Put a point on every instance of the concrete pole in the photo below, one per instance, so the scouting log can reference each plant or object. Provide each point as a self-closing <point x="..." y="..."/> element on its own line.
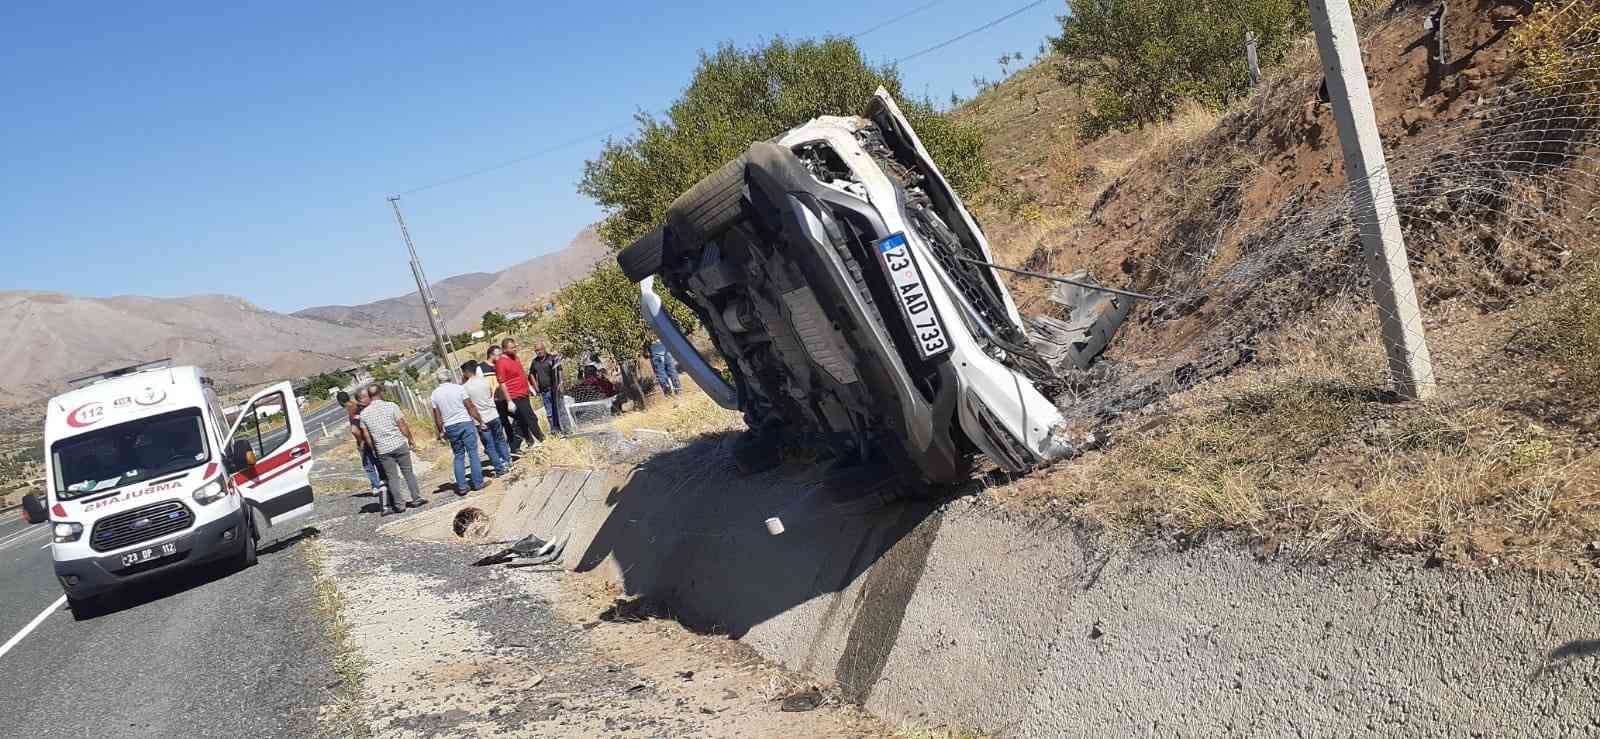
<point x="1410" y="366"/>
<point x="1251" y="58"/>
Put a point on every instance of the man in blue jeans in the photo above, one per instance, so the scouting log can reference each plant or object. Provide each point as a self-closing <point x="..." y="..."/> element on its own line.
<point x="665" y="368"/>
<point x="494" y="432"/>
<point x="456" y="417"/>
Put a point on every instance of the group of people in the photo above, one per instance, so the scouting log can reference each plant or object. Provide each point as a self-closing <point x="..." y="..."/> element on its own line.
<point x="384" y="440"/>
<point x="485" y="406"/>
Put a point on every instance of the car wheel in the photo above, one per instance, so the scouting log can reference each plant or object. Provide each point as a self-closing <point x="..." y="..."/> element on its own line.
<point x="710" y="207"/>
<point x="247" y="556"/>
<point x="755" y="452"/>
<point x="84" y="609"/>
<point x="642" y="258"/>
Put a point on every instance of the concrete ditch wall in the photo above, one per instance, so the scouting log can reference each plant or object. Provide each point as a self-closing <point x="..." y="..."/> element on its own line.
<point x="969" y="616"/>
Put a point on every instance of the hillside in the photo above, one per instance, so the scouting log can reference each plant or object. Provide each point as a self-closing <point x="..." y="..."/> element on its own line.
<point x="1252" y="396"/>
<point x="51" y="337"/>
<point x="464" y="299"/>
<point x="520" y="284"/>
<point x="401" y="316"/>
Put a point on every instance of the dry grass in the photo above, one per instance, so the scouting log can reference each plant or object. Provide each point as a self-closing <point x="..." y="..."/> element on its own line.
<point x="562" y="451"/>
<point x="687" y="416"/>
<point x="1564" y="330"/>
<point x="345" y="716"/>
<point x="1310" y="452"/>
<point x="939" y="732"/>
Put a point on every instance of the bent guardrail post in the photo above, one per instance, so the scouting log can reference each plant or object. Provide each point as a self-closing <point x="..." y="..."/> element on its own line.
<point x="704" y="375"/>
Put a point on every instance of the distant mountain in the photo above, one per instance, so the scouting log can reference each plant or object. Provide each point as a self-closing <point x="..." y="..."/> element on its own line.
<point x="521" y="284"/>
<point x="48" y="338"/>
<point x="402" y="316"/>
<point x="464" y="299"/>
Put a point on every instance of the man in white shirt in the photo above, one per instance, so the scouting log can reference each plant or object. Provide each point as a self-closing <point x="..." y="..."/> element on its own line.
<point x="493" y="432"/>
<point x="456" y="417"/>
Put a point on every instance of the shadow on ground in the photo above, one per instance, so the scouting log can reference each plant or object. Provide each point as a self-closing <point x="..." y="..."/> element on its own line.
<point x="687" y="535"/>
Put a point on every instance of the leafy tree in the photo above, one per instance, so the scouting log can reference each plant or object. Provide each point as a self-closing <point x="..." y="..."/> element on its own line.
<point x="1136" y="62"/>
<point x="413" y="373"/>
<point x="493" y="322"/>
<point x="601" y="312"/>
<point x="320" y="384"/>
<point x="738" y="96"/>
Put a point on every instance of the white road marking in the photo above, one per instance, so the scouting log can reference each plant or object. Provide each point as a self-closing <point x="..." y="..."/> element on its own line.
<point x="34" y="624"/>
<point x="19" y="536"/>
<point x="48" y="543"/>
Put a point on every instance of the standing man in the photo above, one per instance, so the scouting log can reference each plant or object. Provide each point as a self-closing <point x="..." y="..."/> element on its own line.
<point x="456" y="417"/>
<point x="502" y="404"/>
<point x="665" y="368"/>
<point x="494" y="433"/>
<point x="547" y="376"/>
<point x="369" y="460"/>
<point x="514" y="380"/>
<point x="391" y="438"/>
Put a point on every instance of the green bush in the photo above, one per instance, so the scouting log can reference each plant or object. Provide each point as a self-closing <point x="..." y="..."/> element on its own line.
<point x="739" y="96"/>
<point x="601" y="312"/>
<point x="1137" y="62"/>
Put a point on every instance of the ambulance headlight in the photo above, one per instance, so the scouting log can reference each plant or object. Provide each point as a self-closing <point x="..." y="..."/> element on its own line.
<point x="210" y="492"/>
<point x="67" y="532"/>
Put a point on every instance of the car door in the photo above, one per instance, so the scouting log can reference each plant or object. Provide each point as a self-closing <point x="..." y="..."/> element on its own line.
<point x="277" y="483"/>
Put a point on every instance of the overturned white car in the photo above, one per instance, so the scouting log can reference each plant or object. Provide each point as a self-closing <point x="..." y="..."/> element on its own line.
<point x="848" y="289"/>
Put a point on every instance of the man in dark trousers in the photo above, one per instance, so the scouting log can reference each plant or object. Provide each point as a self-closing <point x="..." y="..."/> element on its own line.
<point x="546" y="368"/>
<point x="514" y="379"/>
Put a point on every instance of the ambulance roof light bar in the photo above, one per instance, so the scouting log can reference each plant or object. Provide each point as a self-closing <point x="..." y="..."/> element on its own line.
<point x="87" y="380"/>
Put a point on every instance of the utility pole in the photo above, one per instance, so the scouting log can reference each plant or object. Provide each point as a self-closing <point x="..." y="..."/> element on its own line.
<point x="422" y="285"/>
<point x="1251" y="59"/>
<point x="1405" y="342"/>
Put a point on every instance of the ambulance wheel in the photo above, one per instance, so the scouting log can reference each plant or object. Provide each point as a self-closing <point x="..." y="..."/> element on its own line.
<point x="247" y="553"/>
<point x="84" y="609"/>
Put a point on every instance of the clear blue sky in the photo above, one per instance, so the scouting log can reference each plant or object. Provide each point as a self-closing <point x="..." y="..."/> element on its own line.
<point x="171" y="148"/>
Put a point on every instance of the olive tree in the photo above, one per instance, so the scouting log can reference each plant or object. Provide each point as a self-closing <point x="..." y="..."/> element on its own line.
<point x="1137" y="62"/>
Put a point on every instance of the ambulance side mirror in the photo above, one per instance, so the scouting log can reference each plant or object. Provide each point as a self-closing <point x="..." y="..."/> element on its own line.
<point x="239" y="457"/>
<point x="33" y="509"/>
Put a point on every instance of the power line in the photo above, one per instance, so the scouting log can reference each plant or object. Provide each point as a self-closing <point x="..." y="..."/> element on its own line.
<point x="973" y="32"/>
<point x="896" y="19"/>
<point x="597" y="134"/>
<point x="512" y="162"/>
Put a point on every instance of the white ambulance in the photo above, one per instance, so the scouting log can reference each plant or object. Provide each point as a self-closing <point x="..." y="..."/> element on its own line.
<point x="145" y="475"/>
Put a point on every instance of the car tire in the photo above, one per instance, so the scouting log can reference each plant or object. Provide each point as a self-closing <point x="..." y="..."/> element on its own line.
<point x="642" y="258"/>
<point x="84" y="609"/>
<point x="756" y="452"/>
<point x="248" y="554"/>
<point x="712" y="206"/>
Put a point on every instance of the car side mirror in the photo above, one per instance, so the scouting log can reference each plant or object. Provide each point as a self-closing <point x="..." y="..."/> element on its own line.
<point x="33" y="509"/>
<point x="239" y="457"/>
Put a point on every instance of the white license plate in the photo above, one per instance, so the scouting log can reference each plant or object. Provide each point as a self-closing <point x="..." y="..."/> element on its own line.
<point x="912" y="294"/>
<point x="148" y="553"/>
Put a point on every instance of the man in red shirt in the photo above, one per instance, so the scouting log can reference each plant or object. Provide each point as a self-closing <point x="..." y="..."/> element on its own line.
<point x="519" y="390"/>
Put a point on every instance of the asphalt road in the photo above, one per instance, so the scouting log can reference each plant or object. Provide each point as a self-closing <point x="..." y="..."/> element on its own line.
<point x="218" y="653"/>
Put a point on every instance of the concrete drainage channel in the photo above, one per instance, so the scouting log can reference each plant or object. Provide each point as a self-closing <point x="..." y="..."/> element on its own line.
<point x="964" y="615"/>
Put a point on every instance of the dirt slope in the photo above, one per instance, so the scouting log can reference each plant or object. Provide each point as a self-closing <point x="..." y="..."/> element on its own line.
<point x="1253" y="395"/>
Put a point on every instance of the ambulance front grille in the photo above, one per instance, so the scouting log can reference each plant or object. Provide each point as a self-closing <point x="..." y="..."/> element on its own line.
<point x="139" y="525"/>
